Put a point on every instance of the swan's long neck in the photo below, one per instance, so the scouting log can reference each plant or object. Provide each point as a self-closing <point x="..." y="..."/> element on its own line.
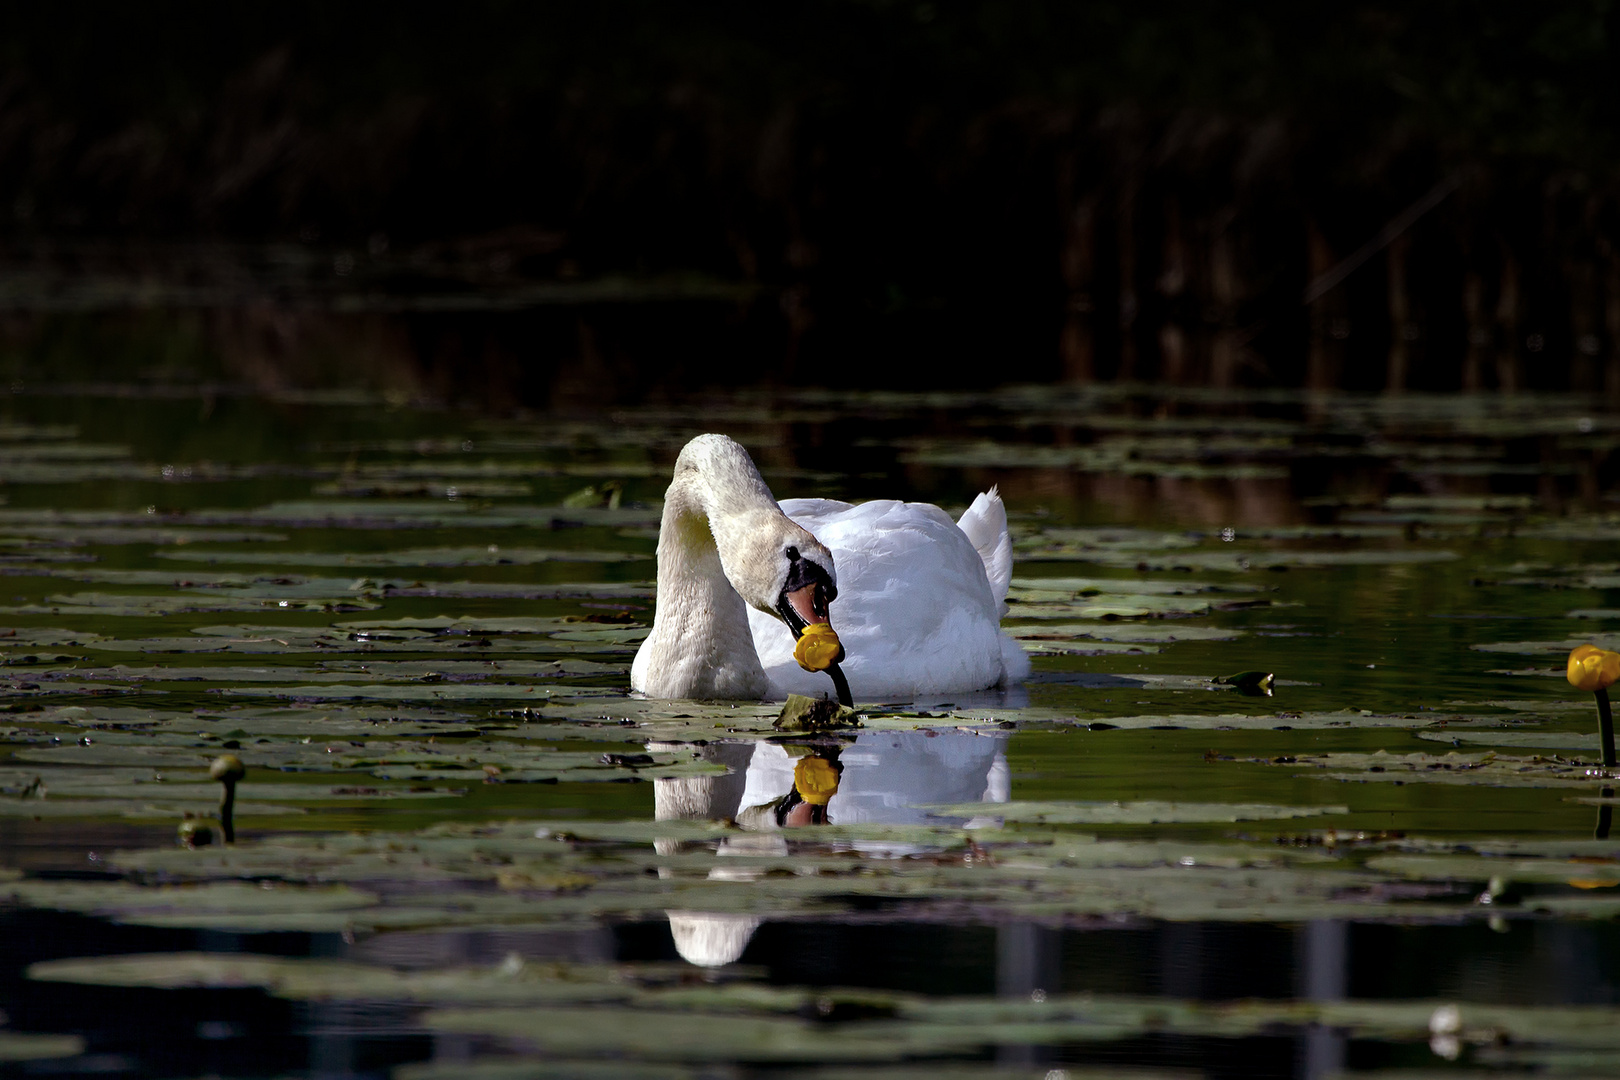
<point x="700" y="645"/>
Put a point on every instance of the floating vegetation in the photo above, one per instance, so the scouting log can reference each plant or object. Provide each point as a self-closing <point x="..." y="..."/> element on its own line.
<point x="1140" y="813"/>
<point x="562" y="875"/>
<point x="418" y="654"/>
<point x="489" y="555"/>
<point x="1489" y="769"/>
<point x="26" y="1046"/>
<point x="605" y="1012"/>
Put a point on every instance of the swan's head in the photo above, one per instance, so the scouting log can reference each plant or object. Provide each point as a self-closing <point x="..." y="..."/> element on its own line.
<point x="784" y="571"/>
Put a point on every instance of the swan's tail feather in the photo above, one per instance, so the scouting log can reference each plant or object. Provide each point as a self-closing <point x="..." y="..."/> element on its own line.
<point x="985" y="523"/>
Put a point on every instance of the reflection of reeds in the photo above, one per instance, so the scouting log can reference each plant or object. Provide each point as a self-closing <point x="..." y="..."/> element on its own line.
<point x="1084" y="190"/>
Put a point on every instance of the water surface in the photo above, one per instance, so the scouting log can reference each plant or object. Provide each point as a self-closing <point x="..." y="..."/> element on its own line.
<point x="465" y="848"/>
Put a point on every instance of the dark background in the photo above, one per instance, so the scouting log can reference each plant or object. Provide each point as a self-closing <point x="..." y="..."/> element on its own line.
<point x="543" y="203"/>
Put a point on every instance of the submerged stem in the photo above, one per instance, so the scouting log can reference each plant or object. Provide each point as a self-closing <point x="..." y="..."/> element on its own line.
<point x="841" y="684"/>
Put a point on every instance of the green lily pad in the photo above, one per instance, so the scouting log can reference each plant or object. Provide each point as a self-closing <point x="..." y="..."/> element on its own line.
<point x="604" y="1012"/>
<point x="428" y="487"/>
<point x="1242" y="561"/>
<point x="460" y="761"/>
<point x="237" y="723"/>
<point x="302" y="979"/>
<point x="1119" y="606"/>
<point x="1590" y="873"/>
<point x="422" y="692"/>
<point x="407" y="635"/>
<point x="125" y="902"/>
<point x="59" y="450"/>
<point x="135" y="533"/>
<point x="14" y="431"/>
<point x="1597" y="528"/>
<point x="1460" y="502"/>
<point x="1129" y="813"/>
<point x="347" y="671"/>
<point x="467" y="624"/>
<point x="489" y="555"/>
<point x="102" y="605"/>
<point x="1122" y="633"/>
<point x="1489" y="769"/>
<point x="1542" y="740"/>
<point x="12" y="637"/>
<point x="1030" y="873"/>
<point x="1047" y="539"/>
<point x="32" y="1046"/>
<point x="1085" y="648"/>
<point x="1080" y="587"/>
<point x="406" y="513"/>
<point x="1602" y="641"/>
<point x="1087" y="598"/>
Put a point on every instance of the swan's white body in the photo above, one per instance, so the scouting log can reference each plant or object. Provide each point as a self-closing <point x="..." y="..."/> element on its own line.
<point x="919" y="602"/>
<point x="918" y="609"/>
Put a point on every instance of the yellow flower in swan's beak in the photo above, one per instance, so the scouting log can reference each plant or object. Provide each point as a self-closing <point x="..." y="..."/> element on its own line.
<point x="1592" y="668"/>
<point x="818" y="648"/>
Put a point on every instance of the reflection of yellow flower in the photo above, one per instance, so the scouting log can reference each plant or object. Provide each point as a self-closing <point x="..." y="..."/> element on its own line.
<point x="818" y="648"/>
<point x="816" y="780"/>
<point x="1592" y="668"/>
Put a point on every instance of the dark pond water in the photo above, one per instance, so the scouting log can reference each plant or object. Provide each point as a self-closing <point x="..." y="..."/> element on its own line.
<point x="465" y="849"/>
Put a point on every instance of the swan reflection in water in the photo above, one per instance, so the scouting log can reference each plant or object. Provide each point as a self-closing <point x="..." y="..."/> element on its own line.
<point x="878" y="778"/>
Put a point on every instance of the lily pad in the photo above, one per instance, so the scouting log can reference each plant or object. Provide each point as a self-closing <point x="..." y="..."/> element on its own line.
<point x="1122" y="633"/>
<point x="1130" y="813"/>
<point x="102" y="605"/>
<point x="13" y="636"/>
<point x="38" y="1046"/>
<point x="1243" y="561"/>
<point x="461" y="761"/>
<point x="422" y="692"/>
<point x="428" y="487"/>
<point x="1541" y="740"/>
<point x="1489" y="769"/>
<point x="564" y="1008"/>
<point x="155" y="905"/>
<point x="489" y="555"/>
<point x="1561" y="647"/>
<point x="1033" y="874"/>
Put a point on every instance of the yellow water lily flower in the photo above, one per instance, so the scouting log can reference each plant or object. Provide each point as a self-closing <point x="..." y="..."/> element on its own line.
<point x="816" y="780"/>
<point x="818" y="648"/>
<point x="1592" y="668"/>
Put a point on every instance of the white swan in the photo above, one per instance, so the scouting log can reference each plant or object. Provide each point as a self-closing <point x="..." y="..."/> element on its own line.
<point x="916" y="598"/>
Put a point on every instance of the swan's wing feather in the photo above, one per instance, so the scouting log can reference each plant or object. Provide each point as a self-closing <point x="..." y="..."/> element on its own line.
<point x="985" y="523"/>
<point x="812" y="512"/>
<point x="914" y="607"/>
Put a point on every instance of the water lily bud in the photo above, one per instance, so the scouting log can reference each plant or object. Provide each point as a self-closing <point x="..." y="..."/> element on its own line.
<point x="1592" y="668"/>
<point x="227" y="768"/>
<point x="818" y="648"/>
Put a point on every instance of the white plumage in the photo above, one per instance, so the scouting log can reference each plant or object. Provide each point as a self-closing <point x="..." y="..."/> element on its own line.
<point x="919" y="603"/>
